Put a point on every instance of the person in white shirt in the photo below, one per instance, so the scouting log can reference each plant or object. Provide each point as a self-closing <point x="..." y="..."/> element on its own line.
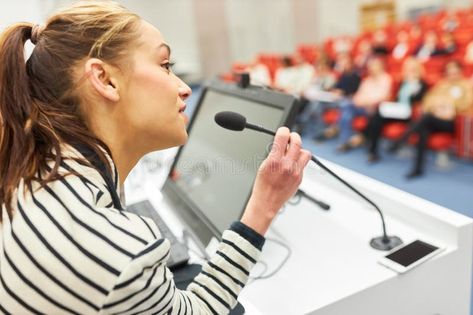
<point x="428" y="48"/>
<point x="96" y="94"/>
<point x="401" y="49"/>
<point x="294" y="76"/>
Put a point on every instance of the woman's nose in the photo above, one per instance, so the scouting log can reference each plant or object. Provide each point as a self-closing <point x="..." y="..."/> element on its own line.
<point x="184" y="90"/>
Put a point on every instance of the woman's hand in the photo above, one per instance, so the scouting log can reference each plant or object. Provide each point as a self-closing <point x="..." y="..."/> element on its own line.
<point x="277" y="180"/>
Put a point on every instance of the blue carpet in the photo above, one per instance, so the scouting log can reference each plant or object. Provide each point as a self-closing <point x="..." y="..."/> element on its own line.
<point x="450" y="187"/>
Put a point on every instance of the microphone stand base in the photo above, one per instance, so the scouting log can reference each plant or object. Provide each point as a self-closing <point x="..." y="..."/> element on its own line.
<point x="385" y="243"/>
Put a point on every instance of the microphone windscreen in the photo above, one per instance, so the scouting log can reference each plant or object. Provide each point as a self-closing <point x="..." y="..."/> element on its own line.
<point x="230" y="120"/>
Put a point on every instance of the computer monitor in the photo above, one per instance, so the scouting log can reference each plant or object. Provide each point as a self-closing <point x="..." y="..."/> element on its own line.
<point x="212" y="176"/>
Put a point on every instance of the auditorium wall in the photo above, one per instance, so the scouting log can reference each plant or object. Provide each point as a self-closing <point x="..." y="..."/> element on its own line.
<point x="208" y="35"/>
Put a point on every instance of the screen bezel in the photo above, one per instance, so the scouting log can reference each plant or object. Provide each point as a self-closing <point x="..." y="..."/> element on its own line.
<point x="287" y="103"/>
<point x="396" y="266"/>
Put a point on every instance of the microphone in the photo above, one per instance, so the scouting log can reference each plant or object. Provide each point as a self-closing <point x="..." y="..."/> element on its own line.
<point x="237" y="122"/>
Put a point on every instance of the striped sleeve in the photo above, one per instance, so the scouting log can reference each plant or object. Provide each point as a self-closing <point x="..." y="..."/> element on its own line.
<point x="146" y="285"/>
<point x="61" y="254"/>
<point x="66" y="250"/>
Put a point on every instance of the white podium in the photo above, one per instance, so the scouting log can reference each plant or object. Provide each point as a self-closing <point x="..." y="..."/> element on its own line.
<point x="334" y="271"/>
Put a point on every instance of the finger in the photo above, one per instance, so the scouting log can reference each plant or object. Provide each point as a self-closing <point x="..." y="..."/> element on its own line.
<point x="304" y="158"/>
<point x="280" y="142"/>
<point x="295" y="146"/>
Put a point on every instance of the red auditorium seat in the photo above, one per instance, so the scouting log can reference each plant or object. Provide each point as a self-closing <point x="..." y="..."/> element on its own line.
<point x="394" y="130"/>
<point x="438" y="141"/>
<point x="308" y="52"/>
<point x="434" y="69"/>
<point x="331" y="116"/>
<point x="239" y="67"/>
<point x="359" y="123"/>
<point x="468" y="70"/>
<point x="463" y="35"/>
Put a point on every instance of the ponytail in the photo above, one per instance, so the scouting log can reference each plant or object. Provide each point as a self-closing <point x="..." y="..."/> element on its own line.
<point x="16" y="113"/>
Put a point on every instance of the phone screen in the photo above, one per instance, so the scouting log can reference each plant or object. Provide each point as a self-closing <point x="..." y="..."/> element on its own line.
<point x="411" y="253"/>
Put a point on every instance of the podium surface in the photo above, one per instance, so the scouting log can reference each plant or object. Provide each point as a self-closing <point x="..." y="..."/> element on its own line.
<point x="334" y="270"/>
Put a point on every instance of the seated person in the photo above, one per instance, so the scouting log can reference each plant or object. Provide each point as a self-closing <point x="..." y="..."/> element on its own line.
<point x="450" y="22"/>
<point x="348" y="80"/>
<point x="401" y="48"/>
<point x="468" y="57"/>
<point x="411" y="90"/>
<point x="342" y="44"/>
<point x="373" y="90"/>
<point x="415" y="35"/>
<point x="293" y="77"/>
<point x="448" y="46"/>
<point x="346" y="85"/>
<point x="450" y="96"/>
<point x="379" y="44"/>
<point x="362" y="56"/>
<point x="259" y="74"/>
<point x="429" y="47"/>
<point x="323" y="80"/>
<point x="317" y="97"/>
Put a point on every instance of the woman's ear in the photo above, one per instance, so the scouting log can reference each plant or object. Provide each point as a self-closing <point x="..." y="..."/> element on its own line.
<point x="101" y="79"/>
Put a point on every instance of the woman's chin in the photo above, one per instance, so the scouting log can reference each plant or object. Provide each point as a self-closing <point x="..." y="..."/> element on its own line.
<point x="180" y="140"/>
<point x="184" y="139"/>
<point x="185" y="118"/>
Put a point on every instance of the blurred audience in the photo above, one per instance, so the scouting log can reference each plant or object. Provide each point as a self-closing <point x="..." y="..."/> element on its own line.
<point x="411" y="91"/>
<point x="324" y="78"/>
<point x="374" y="89"/>
<point x="468" y="57"/>
<point x="259" y="74"/>
<point x="294" y="76"/>
<point x="448" y="46"/>
<point x="348" y="80"/>
<point x="379" y="43"/>
<point x="428" y="48"/>
<point x="316" y="98"/>
<point x="326" y="92"/>
<point x="362" y="56"/>
<point x="336" y="86"/>
<point x="449" y="22"/>
<point x="450" y="96"/>
<point x="342" y="45"/>
<point x="402" y="48"/>
<point x="415" y="35"/>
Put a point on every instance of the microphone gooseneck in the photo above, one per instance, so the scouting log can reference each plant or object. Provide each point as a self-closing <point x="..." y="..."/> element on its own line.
<point x="229" y="120"/>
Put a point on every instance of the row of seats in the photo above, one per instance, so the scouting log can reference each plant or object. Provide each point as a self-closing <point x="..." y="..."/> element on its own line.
<point x="310" y="53"/>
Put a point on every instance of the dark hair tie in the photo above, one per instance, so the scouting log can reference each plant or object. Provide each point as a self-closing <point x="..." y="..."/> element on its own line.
<point x="35" y="33"/>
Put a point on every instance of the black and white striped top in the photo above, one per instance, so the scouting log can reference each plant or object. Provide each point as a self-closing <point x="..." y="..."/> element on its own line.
<point x="67" y="250"/>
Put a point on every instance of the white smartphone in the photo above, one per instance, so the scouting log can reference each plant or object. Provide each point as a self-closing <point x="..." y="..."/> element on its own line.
<point x="406" y="257"/>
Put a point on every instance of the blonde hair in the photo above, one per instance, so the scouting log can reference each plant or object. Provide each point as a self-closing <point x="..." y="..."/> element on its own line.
<point x="39" y="104"/>
<point x="413" y="63"/>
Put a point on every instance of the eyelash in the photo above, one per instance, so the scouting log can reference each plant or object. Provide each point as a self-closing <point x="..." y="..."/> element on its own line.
<point x="168" y="65"/>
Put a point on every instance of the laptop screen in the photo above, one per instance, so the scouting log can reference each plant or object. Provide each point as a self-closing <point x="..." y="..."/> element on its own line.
<point x="214" y="171"/>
